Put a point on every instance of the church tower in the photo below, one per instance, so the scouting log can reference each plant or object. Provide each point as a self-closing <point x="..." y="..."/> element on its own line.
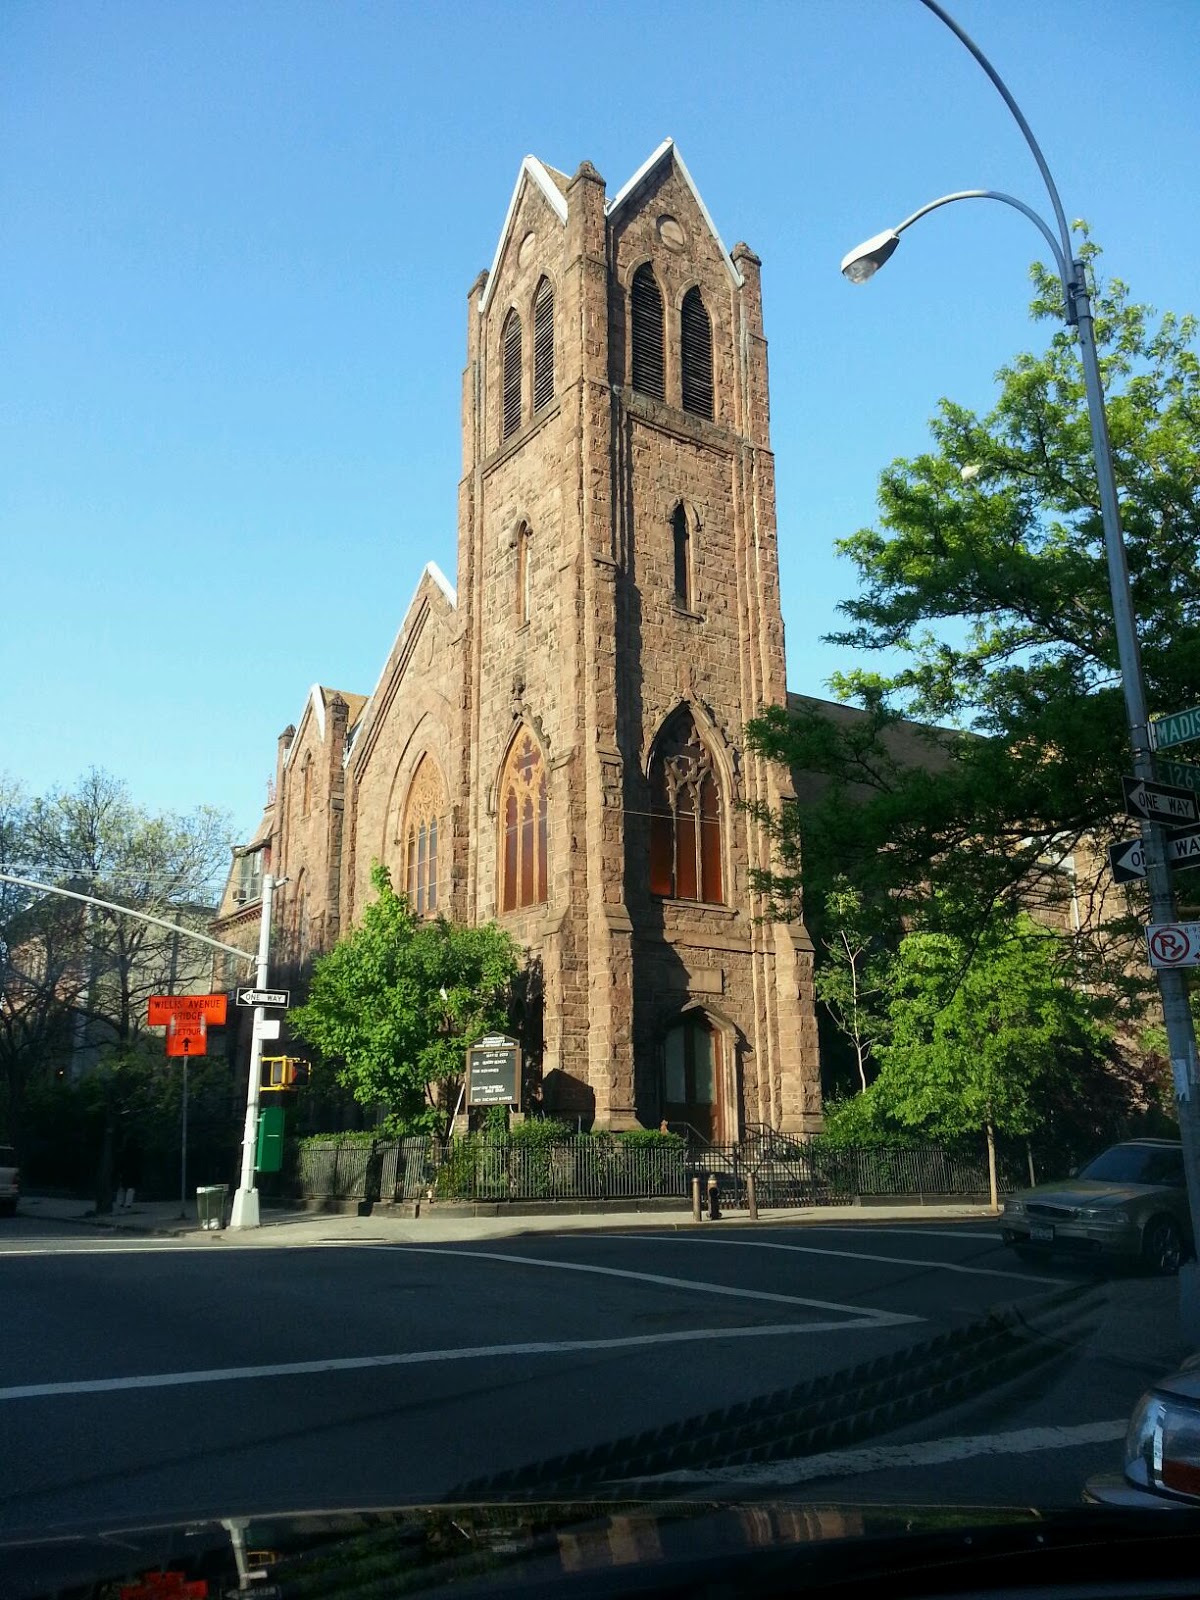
<point x="618" y="600"/>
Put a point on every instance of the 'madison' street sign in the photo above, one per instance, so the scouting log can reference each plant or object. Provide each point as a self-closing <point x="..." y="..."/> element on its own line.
<point x="1178" y="727"/>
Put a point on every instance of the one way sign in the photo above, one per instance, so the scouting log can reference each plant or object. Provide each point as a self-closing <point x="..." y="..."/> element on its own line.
<point x="1160" y="802"/>
<point x="1128" y="862"/>
<point x="264" y="997"/>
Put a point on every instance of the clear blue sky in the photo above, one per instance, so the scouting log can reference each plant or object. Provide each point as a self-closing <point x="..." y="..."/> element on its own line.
<point x="237" y="242"/>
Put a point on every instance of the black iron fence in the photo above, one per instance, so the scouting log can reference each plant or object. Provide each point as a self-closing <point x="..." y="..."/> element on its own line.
<point x="784" y="1172"/>
<point x="385" y="1170"/>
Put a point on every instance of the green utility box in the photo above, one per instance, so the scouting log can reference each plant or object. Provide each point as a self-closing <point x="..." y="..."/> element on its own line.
<point x="268" y="1154"/>
<point x="210" y="1205"/>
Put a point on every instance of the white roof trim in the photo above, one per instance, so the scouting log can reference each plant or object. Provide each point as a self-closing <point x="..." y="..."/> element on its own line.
<point x="429" y="570"/>
<point x="531" y="167"/>
<point x="316" y="700"/>
<point x="668" y="147"/>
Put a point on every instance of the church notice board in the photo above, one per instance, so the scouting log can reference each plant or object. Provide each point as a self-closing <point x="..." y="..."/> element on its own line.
<point x="494" y="1071"/>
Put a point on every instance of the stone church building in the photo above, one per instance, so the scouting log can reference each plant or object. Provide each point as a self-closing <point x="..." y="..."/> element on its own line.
<point x="557" y="741"/>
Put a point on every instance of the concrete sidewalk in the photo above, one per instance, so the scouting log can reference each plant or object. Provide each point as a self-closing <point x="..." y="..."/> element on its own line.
<point x="438" y="1225"/>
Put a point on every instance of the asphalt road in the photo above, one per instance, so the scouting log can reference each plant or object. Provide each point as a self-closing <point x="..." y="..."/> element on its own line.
<point x="148" y="1379"/>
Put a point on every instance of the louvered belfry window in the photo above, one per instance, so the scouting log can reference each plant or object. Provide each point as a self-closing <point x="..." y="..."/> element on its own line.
<point x="648" y="375"/>
<point x="543" y="345"/>
<point x="696" y="356"/>
<point x="512" y="375"/>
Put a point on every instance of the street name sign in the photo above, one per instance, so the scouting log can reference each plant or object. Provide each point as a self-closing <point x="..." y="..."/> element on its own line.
<point x="1128" y="862"/>
<point x="1160" y="802"/>
<point x="163" y="1008"/>
<point x="1174" y="944"/>
<point x="1178" y="727"/>
<point x="1183" y="774"/>
<point x="263" y="997"/>
<point x="494" y="1071"/>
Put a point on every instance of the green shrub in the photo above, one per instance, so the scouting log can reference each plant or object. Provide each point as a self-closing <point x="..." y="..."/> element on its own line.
<point x="350" y="1136"/>
<point x="650" y="1139"/>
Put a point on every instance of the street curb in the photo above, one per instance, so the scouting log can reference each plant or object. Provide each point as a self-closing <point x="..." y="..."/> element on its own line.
<point x="605" y="1222"/>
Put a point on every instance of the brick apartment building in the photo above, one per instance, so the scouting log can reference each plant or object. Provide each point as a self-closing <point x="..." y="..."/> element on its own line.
<point x="557" y="742"/>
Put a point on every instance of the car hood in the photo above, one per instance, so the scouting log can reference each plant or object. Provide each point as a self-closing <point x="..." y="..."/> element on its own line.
<point x="581" y="1549"/>
<point x="1085" y="1192"/>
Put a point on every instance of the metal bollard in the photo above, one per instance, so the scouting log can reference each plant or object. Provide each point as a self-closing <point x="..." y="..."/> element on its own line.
<point x="714" y="1207"/>
<point x="695" y="1199"/>
<point x="751" y="1198"/>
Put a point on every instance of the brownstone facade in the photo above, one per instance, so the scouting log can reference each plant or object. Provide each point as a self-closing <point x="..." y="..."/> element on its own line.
<point x="558" y="744"/>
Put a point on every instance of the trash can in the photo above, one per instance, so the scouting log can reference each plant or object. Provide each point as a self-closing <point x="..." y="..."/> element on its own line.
<point x="210" y="1205"/>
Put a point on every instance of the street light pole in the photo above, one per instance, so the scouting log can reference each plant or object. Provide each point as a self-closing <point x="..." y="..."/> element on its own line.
<point x="245" y="1212"/>
<point x="861" y="264"/>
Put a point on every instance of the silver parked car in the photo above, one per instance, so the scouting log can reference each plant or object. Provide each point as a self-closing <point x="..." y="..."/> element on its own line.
<point x="1130" y="1202"/>
<point x="1162" y="1448"/>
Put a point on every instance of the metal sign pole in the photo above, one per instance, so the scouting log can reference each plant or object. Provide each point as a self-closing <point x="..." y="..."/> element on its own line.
<point x="245" y="1201"/>
<point x="183" y="1140"/>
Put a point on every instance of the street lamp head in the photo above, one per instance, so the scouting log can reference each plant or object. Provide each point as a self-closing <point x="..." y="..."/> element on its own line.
<point x="865" y="260"/>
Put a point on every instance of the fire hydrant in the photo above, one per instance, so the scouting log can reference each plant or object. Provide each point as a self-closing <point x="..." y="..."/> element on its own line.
<point x="714" y="1207"/>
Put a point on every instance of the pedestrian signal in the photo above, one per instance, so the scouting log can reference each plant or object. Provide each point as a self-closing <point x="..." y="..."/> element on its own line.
<point x="277" y="1074"/>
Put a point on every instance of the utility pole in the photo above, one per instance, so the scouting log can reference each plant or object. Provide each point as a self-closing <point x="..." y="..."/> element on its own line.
<point x="245" y="1201"/>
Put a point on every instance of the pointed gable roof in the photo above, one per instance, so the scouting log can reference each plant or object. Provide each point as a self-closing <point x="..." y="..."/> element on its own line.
<point x="543" y="178"/>
<point x="316" y="703"/>
<point x="667" y="151"/>
<point x="431" y="575"/>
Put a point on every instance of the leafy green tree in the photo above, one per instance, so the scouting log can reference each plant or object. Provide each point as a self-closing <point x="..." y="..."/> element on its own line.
<point x="984" y="592"/>
<point x="398" y="1001"/>
<point x="73" y="976"/>
<point x="851" y="981"/>
<point x="96" y="839"/>
<point x="984" y="1039"/>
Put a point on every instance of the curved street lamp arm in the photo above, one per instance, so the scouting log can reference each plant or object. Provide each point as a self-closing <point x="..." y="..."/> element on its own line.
<point x="127" y="911"/>
<point x="1064" y="232"/>
<point x="1060" y="260"/>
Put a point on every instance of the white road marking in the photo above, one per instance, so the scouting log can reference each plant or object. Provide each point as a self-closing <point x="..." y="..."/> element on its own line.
<point x="867" y="1315"/>
<point x="416" y="1358"/>
<point x="967" y="1231"/>
<point x="731" y="1242"/>
<point x="888" y="1457"/>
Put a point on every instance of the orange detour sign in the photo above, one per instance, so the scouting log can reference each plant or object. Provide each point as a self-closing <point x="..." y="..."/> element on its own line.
<point x="189" y="1008"/>
<point x="187" y="1037"/>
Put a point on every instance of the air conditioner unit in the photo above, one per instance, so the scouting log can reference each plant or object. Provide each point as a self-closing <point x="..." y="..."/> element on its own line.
<point x="239" y="895"/>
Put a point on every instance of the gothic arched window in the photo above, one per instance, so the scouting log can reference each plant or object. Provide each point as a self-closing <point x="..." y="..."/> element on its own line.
<point x="685" y="816"/>
<point x="423" y="814"/>
<point x="523" y="826"/>
<point x="543" y="345"/>
<point x="649" y="374"/>
<point x="524" y="590"/>
<point x="306" y="767"/>
<point x="681" y="542"/>
<point x="696" y="363"/>
<point x="511" y="343"/>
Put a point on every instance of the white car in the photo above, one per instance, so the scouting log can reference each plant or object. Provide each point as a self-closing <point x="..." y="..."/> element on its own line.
<point x="1162" y="1448"/>
<point x="10" y="1181"/>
